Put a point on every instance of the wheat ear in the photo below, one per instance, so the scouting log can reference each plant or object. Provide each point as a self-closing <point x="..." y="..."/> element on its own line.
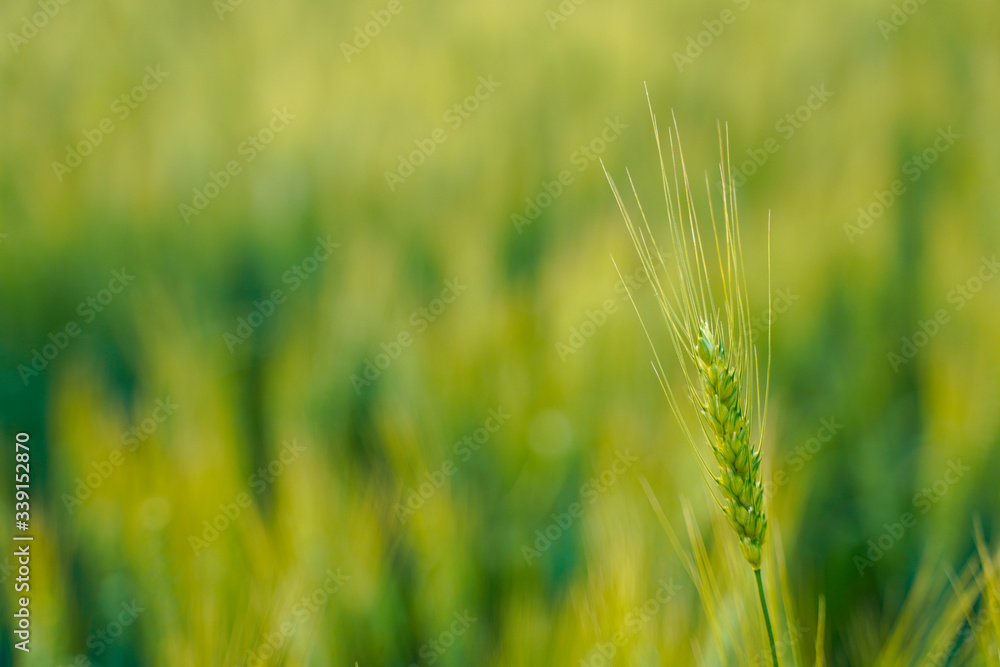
<point x="713" y="345"/>
<point x="739" y="460"/>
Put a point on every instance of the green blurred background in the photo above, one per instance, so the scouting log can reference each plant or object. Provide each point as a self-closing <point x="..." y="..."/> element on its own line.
<point x="409" y="308"/>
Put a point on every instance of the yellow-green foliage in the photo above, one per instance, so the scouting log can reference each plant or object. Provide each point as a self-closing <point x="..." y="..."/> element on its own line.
<point x="523" y="337"/>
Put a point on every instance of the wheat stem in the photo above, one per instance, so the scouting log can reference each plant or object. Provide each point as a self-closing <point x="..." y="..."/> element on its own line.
<point x="713" y="344"/>
<point x="767" y="617"/>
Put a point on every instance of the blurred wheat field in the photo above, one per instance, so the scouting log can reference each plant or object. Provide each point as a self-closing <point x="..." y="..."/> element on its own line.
<point x="367" y="388"/>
